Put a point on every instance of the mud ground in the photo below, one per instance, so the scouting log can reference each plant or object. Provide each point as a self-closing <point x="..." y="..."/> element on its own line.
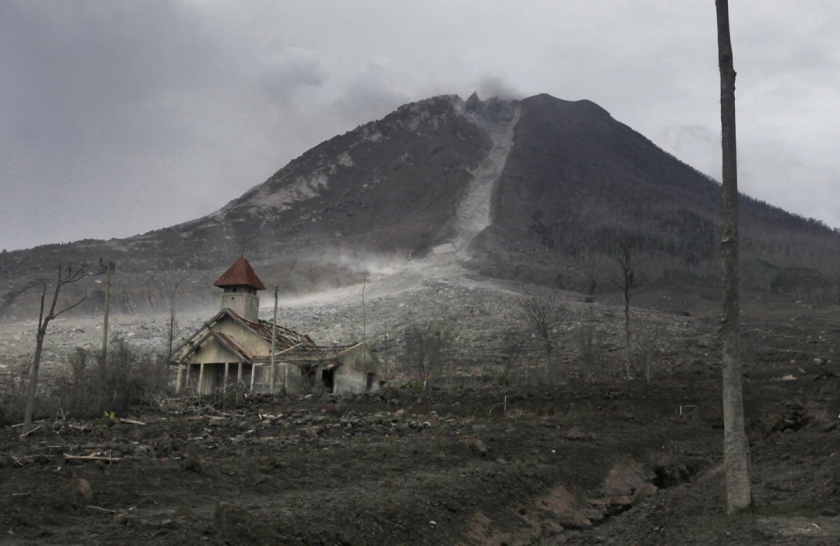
<point x="611" y="462"/>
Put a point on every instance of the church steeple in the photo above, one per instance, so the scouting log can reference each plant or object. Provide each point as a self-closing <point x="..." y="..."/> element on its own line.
<point x="240" y="284"/>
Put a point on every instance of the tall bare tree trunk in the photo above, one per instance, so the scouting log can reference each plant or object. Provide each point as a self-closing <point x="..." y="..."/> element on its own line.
<point x="736" y="461"/>
<point x="627" y="337"/>
<point x="273" y="341"/>
<point x="108" y="268"/>
<point x="33" y="371"/>
<point x="627" y="283"/>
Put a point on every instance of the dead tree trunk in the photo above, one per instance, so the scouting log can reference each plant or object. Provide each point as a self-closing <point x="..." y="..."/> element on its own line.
<point x="736" y="458"/>
<point x="627" y="270"/>
<point x="108" y="268"/>
<point x="626" y="283"/>
<point x="64" y="278"/>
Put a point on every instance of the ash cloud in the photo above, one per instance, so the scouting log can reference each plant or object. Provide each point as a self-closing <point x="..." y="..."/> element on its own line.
<point x="287" y="71"/>
<point x="499" y="86"/>
<point x="370" y="94"/>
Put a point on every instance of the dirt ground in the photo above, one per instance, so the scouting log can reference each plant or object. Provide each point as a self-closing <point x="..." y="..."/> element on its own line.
<point x="583" y="463"/>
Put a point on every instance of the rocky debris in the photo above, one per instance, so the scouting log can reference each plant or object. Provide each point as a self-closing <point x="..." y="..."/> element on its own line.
<point x="794" y="417"/>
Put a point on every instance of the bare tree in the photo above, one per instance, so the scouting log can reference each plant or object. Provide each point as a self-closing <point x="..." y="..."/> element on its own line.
<point x="735" y="456"/>
<point x="513" y="345"/>
<point x="173" y="325"/>
<point x="647" y="339"/>
<point x="626" y="282"/>
<point x="542" y="313"/>
<point x="172" y="331"/>
<point x="66" y="275"/>
<point x="426" y="346"/>
<point x="107" y="268"/>
<point x="589" y="346"/>
<point x="590" y="288"/>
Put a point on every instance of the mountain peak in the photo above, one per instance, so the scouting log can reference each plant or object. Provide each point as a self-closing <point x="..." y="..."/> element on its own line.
<point x="541" y="190"/>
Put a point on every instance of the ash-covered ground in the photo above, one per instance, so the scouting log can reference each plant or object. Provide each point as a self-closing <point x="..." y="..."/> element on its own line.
<point x="590" y="459"/>
<point x="485" y="314"/>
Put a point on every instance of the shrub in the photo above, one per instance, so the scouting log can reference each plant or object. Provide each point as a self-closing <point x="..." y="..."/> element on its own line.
<point x="131" y="378"/>
<point x="427" y="346"/>
<point x="13" y="383"/>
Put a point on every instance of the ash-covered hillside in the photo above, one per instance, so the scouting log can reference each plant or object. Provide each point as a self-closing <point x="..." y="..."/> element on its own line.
<point x="539" y="190"/>
<point x="578" y="184"/>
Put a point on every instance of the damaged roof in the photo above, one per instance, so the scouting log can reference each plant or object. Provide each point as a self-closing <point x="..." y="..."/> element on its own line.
<point x="286" y="338"/>
<point x="311" y="354"/>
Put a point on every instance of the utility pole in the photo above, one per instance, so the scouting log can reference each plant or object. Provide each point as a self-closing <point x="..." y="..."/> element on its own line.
<point x="108" y="268"/>
<point x="364" y="310"/>
<point x="274" y="340"/>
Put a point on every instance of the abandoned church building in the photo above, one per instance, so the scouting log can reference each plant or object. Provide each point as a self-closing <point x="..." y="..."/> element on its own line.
<point x="236" y="346"/>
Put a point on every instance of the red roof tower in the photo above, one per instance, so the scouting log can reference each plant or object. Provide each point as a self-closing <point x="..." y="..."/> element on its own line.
<point x="240" y="284"/>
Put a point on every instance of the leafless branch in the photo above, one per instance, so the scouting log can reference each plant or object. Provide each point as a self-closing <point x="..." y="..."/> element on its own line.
<point x="542" y="313"/>
<point x="78" y="303"/>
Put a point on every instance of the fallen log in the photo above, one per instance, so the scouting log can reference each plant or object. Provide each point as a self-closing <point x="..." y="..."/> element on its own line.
<point x="21" y="424"/>
<point x="97" y="508"/>
<point x="68" y="457"/>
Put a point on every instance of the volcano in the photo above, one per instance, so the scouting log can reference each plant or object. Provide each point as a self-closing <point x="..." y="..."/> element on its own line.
<point x="539" y="190"/>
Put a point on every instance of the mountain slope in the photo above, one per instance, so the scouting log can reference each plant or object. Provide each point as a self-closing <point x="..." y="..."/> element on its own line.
<point x="579" y="183"/>
<point x="540" y="190"/>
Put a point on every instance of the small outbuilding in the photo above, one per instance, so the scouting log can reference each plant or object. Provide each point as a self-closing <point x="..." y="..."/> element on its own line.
<point x="235" y="346"/>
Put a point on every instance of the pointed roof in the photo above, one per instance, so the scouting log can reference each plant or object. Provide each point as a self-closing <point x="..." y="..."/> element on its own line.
<point x="240" y="273"/>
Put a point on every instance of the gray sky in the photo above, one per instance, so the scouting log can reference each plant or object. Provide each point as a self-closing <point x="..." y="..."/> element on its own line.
<point x="120" y="117"/>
